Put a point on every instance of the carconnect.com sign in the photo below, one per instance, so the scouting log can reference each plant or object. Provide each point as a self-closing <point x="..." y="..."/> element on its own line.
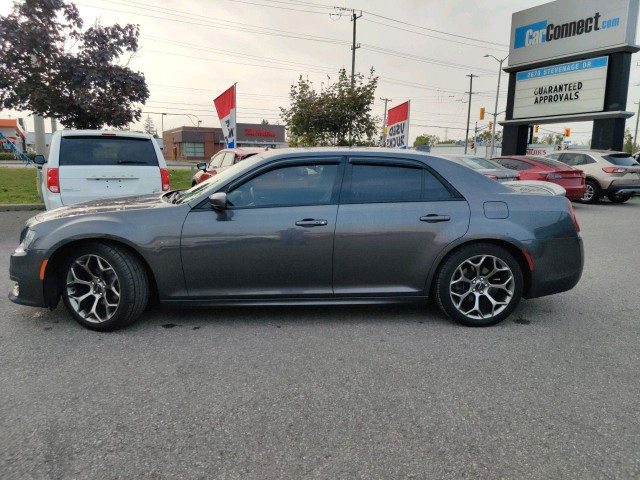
<point x="567" y="27"/>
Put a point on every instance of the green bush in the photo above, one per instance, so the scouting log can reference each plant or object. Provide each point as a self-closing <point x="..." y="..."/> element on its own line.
<point x="11" y="156"/>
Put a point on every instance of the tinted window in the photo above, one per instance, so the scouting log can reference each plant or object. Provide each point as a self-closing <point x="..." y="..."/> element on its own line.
<point x="513" y="164"/>
<point x="107" y="150"/>
<point x="434" y="189"/>
<point x="555" y="156"/>
<point x="547" y="162"/>
<point x="286" y="186"/>
<point x="622" y="159"/>
<point x="576" y="159"/>
<point x="228" y="159"/>
<point x="381" y="183"/>
<point x="479" y="163"/>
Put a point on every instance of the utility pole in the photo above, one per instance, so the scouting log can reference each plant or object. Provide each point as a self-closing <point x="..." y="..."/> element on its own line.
<point x="475" y="139"/>
<point x="466" y="138"/>
<point x="354" y="45"/>
<point x="54" y="125"/>
<point x="495" y="110"/>
<point x="636" y="135"/>
<point x="384" y="121"/>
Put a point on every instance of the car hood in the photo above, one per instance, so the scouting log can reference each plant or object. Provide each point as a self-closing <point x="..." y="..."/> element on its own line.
<point x="105" y="205"/>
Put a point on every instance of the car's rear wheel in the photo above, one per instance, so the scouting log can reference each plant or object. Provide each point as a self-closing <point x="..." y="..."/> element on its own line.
<point x="621" y="199"/>
<point x="592" y="192"/>
<point x="104" y="287"/>
<point x="479" y="285"/>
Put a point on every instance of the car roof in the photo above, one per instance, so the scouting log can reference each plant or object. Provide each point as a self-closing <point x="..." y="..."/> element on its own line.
<point x="106" y="133"/>
<point x="244" y="150"/>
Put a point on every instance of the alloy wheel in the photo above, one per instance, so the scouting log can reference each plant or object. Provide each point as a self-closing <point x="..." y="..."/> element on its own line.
<point x="93" y="288"/>
<point x="588" y="193"/>
<point x="482" y="287"/>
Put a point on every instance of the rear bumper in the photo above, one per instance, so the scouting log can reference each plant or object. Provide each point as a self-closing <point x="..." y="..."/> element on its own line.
<point x="623" y="190"/>
<point x="557" y="265"/>
<point x="24" y="270"/>
<point x="575" y="193"/>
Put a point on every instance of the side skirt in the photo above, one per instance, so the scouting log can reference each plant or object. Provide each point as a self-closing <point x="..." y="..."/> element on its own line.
<point x="204" y="302"/>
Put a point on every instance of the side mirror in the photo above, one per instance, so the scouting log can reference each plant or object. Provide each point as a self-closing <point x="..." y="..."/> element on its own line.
<point x="218" y="201"/>
<point x="39" y="160"/>
<point x="202" y="166"/>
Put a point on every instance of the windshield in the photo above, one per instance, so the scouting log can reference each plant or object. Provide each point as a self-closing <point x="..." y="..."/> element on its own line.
<point x="480" y="163"/>
<point x="621" y="159"/>
<point x="185" y="196"/>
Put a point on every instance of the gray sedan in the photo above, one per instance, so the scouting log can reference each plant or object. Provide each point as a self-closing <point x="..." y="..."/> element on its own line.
<point x="319" y="226"/>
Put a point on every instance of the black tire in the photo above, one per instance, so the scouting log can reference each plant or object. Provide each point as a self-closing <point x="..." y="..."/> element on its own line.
<point x="614" y="199"/>
<point x="456" y="259"/>
<point x="132" y="282"/>
<point x="595" y="196"/>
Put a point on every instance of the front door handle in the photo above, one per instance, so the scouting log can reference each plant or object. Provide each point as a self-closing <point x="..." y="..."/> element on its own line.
<point x="311" y="222"/>
<point x="433" y="218"/>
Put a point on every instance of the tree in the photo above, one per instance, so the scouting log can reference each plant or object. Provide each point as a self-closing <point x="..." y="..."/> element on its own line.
<point x="485" y="136"/>
<point x="629" y="146"/>
<point x="553" y="139"/>
<point x="428" y="140"/>
<point x="448" y="142"/>
<point x="50" y="66"/>
<point x="339" y="115"/>
<point x="149" y="127"/>
<point x="265" y="122"/>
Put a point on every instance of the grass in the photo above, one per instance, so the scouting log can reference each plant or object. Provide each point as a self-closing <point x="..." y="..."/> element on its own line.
<point x="18" y="184"/>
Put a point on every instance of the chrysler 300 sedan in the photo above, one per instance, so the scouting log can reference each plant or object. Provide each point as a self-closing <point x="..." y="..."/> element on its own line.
<point x="319" y="226"/>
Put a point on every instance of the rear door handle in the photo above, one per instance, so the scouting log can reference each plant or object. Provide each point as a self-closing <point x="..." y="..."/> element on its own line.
<point x="433" y="218"/>
<point x="311" y="222"/>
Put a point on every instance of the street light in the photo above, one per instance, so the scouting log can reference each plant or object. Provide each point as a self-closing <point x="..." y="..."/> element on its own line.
<point x="495" y="110"/>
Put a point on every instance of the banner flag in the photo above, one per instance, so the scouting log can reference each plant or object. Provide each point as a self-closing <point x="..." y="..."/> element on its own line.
<point x="398" y="126"/>
<point x="226" y="108"/>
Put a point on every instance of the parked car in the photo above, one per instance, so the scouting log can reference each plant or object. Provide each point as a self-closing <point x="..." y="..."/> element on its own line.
<point x="305" y="226"/>
<point x="221" y="160"/>
<point x="615" y="175"/>
<point x="87" y="165"/>
<point x="547" y="170"/>
<point x="486" y="167"/>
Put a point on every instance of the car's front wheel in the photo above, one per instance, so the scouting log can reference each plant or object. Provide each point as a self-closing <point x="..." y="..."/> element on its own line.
<point x="479" y="285"/>
<point x="104" y="287"/>
<point x="592" y="192"/>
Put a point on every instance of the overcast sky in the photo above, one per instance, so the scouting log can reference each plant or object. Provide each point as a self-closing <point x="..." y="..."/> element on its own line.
<point x="192" y="50"/>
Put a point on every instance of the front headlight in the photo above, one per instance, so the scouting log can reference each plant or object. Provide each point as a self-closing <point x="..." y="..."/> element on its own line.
<point x="26" y="239"/>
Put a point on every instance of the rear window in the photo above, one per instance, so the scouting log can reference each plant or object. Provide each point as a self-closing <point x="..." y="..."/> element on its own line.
<point x="106" y="150"/>
<point x="622" y="159"/>
<point x="479" y="162"/>
<point x="549" y="162"/>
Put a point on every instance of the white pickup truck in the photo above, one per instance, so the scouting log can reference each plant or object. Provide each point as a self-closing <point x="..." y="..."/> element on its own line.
<point x="87" y="165"/>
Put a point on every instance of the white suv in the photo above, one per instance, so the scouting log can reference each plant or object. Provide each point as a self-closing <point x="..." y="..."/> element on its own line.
<point x="87" y="165"/>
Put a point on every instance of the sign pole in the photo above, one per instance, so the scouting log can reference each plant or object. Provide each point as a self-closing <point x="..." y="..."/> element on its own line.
<point x="466" y="138"/>
<point x="636" y="135"/>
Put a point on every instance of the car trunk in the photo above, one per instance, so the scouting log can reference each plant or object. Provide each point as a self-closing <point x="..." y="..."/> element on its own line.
<point x="78" y="184"/>
<point x="500" y="175"/>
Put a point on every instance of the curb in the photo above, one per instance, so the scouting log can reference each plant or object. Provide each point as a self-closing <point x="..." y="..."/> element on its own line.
<point x="21" y="207"/>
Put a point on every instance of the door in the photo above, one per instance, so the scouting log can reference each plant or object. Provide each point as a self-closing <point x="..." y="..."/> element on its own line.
<point x="274" y="239"/>
<point x="393" y="220"/>
<point x="100" y="166"/>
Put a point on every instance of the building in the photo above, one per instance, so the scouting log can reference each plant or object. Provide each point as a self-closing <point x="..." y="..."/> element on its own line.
<point x="201" y="143"/>
<point x="15" y="131"/>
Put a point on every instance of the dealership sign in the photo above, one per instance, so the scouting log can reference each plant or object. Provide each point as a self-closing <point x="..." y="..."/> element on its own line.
<point x="570" y="27"/>
<point x="398" y="126"/>
<point x="568" y="88"/>
<point x="226" y="108"/>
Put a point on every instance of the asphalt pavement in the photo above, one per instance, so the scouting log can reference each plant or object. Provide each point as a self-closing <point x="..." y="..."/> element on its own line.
<point x="375" y="392"/>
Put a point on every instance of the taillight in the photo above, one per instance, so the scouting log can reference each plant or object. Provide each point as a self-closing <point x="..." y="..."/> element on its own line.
<point x="553" y="176"/>
<point x="164" y="175"/>
<point x="492" y="176"/>
<point x="573" y="216"/>
<point x="614" y="169"/>
<point x="53" y="180"/>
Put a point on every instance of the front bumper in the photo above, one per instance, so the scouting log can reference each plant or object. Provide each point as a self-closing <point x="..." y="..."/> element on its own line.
<point x="24" y="270"/>
<point x="557" y="265"/>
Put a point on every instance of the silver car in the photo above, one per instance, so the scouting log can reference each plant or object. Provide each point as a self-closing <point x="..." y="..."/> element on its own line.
<point x="315" y="226"/>
<point x="486" y="167"/>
